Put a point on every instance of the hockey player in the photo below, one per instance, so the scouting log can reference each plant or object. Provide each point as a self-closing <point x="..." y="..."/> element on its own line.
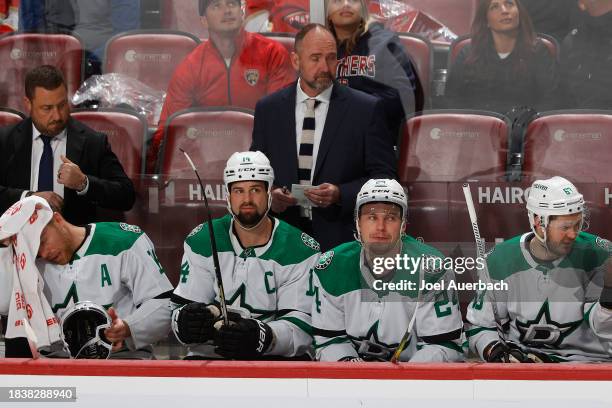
<point x="264" y="266"/>
<point x="355" y="317"/>
<point x="552" y="310"/>
<point x="112" y="265"/>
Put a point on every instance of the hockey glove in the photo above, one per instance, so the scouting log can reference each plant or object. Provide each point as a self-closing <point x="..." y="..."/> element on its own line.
<point x="243" y="339"/>
<point x="499" y="352"/>
<point x="194" y="322"/>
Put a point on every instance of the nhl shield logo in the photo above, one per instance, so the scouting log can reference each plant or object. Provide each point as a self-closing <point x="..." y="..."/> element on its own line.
<point x="251" y="76"/>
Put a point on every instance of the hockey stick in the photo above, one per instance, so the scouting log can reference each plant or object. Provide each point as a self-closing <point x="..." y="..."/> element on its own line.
<point x="402" y="344"/>
<point x="480" y="253"/>
<point x="213" y="244"/>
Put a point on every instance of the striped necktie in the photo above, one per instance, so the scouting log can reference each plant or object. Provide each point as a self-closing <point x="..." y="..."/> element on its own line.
<point x="45" y="169"/>
<point x="307" y="142"/>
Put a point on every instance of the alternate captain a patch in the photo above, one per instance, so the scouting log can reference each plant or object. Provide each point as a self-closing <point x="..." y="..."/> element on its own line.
<point x="251" y="76"/>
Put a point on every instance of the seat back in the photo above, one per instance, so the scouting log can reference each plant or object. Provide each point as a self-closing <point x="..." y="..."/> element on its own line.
<point x="10" y="116"/>
<point x="420" y="51"/>
<point x="126" y="134"/>
<point x="21" y="52"/>
<point x="151" y="56"/>
<point x="287" y="40"/>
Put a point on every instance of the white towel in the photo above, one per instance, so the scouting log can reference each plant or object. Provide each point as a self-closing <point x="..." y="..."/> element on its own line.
<point x="29" y="313"/>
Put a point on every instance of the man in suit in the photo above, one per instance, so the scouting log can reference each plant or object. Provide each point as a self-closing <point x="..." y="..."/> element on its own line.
<point x="321" y="134"/>
<point x="58" y="158"/>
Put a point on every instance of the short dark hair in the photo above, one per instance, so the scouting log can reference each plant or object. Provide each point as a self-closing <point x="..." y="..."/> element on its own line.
<point x="299" y="37"/>
<point x="45" y="76"/>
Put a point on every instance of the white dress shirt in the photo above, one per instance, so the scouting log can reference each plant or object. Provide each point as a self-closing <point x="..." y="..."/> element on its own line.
<point x="320" y="115"/>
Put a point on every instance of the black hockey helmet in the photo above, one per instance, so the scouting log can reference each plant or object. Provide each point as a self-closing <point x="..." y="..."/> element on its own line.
<point x="83" y="329"/>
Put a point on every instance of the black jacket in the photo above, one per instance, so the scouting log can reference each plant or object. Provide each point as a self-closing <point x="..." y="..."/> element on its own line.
<point x="495" y="85"/>
<point x="109" y="186"/>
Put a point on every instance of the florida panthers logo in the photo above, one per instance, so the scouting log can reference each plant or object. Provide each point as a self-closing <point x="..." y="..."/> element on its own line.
<point x="251" y="76"/>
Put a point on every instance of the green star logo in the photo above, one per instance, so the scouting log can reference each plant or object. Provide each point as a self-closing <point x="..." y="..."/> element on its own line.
<point x="544" y="331"/>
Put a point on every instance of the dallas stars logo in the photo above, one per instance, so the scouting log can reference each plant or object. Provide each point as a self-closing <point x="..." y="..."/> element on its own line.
<point x="370" y="348"/>
<point x="543" y="331"/>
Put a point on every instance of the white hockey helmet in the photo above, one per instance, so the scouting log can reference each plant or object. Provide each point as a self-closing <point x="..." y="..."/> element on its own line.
<point x="553" y="196"/>
<point x="385" y="191"/>
<point x="83" y="329"/>
<point x="248" y="166"/>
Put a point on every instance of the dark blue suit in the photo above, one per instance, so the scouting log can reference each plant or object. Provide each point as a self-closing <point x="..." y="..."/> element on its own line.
<point x="354" y="147"/>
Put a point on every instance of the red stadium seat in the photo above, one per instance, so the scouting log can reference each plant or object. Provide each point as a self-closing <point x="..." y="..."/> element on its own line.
<point x="10" y="116"/>
<point x="439" y="151"/>
<point x="575" y="145"/>
<point x="126" y="133"/>
<point x="209" y="136"/>
<point x="456" y="15"/>
<point x="286" y="39"/>
<point x="148" y="55"/>
<point x="20" y="52"/>
<point x="420" y="51"/>
<point x="457" y="45"/>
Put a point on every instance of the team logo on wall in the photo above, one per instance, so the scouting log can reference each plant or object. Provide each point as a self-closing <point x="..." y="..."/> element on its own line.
<point x="251" y="76"/>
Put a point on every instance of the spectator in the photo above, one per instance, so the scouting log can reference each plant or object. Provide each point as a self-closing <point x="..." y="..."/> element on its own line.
<point x="306" y="131"/>
<point x="233" y="68"/>
<point x="96" y="21"/>
<point x="552" y="17"/>
<point x="586" y="59"/>
<point x="58" y="158"/>
<point x="505" y="66"/>
<point x="372" y="59"/>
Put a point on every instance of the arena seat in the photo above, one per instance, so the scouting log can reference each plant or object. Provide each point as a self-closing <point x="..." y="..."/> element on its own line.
<point x="20" y="52"/>
<point x="126" y="134"/>
<point x="456" y="15"/>
<point x="150" y="56"/>
<point x="574" y="145"/>
<point x="420" y="51"/>
<point x="182" y="15"/>
<point x="10" y="116"/>
<point x="286" y="39"/>
<point x="458" y="44"/>
<point x="439" y="151"/>
<point x="209" y="136"/>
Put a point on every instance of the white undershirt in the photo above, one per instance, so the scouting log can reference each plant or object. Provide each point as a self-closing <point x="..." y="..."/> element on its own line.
<point x="320" y="115"/>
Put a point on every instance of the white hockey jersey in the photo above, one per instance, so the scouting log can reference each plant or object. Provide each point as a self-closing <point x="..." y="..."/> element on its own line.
<point x="550" y="307"/>
<point x="268" y="283"/>
<point x="352" y="319"/>
<point x="115" y="266"/>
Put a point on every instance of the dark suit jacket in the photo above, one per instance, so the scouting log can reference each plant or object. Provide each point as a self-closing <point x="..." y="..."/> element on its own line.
<point x="109" y="186"/>
<point x="354" y="147"/>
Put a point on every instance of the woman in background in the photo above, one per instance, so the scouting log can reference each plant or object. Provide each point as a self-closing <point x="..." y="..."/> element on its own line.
<point x="372" y="59"/>
<point x="505" y="66"/>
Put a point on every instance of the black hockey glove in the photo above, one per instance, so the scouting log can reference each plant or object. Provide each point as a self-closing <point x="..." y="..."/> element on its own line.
<point x="194" y="322"/>
<point x="243" y="339"/>
<point x="506" y="353"/>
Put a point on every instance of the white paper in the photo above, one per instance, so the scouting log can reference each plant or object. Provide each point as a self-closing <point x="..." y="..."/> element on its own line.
<point x="297" y="190"/>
